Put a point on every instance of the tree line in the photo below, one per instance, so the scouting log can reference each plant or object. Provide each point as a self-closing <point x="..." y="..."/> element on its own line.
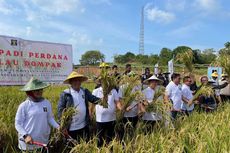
<point x="207" y="56"/>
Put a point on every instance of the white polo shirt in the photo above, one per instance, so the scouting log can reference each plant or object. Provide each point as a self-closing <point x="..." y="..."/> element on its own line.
<point x="134" y="111"/>
<point x="175" y="94"/>
<point x="106" y="114"/>
<point x="187" y="93"/>
<point x="34" y="118"/>
<point x="150" y="116"/>
<point x="79" y="119"/>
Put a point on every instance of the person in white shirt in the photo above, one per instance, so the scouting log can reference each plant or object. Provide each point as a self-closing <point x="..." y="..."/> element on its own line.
<point x="150" y="118"/>
<point x="77" y="97"/>
<point x="106" y="117"/>
<point x="174" y="95"/>
<point x="34" y="117"/>
<point x="187" y="96"/>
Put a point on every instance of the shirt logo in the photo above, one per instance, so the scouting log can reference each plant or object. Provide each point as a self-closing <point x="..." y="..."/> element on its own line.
<point x="45" y="109"/>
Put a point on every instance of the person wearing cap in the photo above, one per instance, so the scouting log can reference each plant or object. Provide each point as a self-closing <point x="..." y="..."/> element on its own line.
<point x="77" y="97"/>
<point x="224" y="92"/>
<point x="174" y="95"/>
<point x="34" y="117"/>
<point x="150" y="118"/>
<point x="216" y="83"/>
<point x="104" y="65"/>
<point x="187" y="96"/>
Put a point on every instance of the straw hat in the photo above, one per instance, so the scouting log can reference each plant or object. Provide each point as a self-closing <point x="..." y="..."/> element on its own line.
<point x="34" y="84"/>
<point x="77" y="76"/>
<point x="104" y="65"/>
<point x="214" y="74"/>
<point x="153" y="77"/>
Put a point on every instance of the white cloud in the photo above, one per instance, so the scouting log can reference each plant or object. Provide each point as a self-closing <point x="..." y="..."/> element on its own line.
<point x="28" y="30"/>
<point x="108" y="2"/>
<point x="176" y="5"/>
<point x="157" y="15"/>
<point x="207" y="5"/>
<point x="5" y="8"/>
<point x="186" y="31"/>
<point x="80" y="39"/>
<point x="56" y="7"/>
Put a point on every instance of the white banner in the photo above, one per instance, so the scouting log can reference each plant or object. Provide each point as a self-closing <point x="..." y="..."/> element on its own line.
<point x="156" y="69"/>
<point x="22" y="59"/>
<point x="170" y="67"/>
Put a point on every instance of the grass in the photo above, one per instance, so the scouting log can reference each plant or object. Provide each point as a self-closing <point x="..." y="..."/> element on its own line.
<point x="198" y="133"/>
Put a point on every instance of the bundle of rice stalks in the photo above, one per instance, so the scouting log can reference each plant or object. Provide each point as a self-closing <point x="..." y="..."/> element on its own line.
<point x="65" y="122"/>
<point x="205" y="90"/>
<point x="157" y="102"/>
<point x="187" y="59"/>
<point x="108" y="83"/>
<point x="129" y="87"/>
<point x="224" y="61"/>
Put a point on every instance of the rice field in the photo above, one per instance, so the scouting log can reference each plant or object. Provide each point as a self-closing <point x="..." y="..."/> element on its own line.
<point x="198" y="133"/>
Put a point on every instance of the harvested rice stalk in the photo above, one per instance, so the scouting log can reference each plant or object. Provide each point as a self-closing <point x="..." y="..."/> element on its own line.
<point x="65" y="122"/>
<point x="108" y="83"/>
<point x="157" y="103"/>
<point x="204" y="90"/>
<point x="66" y="117"/>
<point x="187" y="59"/>
<point x="130" y="91"/>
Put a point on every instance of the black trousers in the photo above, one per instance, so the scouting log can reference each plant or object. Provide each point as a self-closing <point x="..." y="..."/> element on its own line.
<point x="128" y="128"/>
<point x="130" y="121"/>
<point x="105" y="132"/>
<point x="224" y="98"/>
<point x="81" y="134"/>
<point x="149" y="126"/>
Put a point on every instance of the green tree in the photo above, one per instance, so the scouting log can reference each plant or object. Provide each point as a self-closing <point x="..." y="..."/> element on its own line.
<point x="208" y="56"/>
<point x="92" y="57"/>
<point x="165" y="56"/>
<point x="180" y="49"/>
<point x="225" y="50"/>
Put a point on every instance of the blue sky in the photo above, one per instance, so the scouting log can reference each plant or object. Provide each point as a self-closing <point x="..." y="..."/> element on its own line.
<point x="112" y="26"/>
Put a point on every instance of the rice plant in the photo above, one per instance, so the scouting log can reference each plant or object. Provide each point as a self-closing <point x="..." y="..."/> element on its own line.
<point x="108" y="83"/>
<point x="199" y="133"/>
<point x="187" y="59"/>
<point x="224" y="61"/>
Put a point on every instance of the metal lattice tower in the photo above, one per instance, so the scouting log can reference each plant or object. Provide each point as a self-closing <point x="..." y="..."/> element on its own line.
<point x="141" y="37"/>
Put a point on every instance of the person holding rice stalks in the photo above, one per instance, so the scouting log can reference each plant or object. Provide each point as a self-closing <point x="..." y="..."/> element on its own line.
<point x="206" y="102"/>
<point x="187" y="96"/>
<point x="174" y="95"/>
<point x="129" y="94"/>
<point x="106" y="116"/>
<point x="34" y="117"/>
<point x="79" y="98"/>
<point x="149" y="117"/>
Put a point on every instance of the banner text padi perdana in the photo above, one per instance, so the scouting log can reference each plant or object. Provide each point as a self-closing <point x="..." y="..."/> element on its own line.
<point x="32" y="59"/>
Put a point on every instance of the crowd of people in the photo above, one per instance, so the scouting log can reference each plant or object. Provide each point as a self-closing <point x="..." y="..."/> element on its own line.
<point x="34" y="116"/>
